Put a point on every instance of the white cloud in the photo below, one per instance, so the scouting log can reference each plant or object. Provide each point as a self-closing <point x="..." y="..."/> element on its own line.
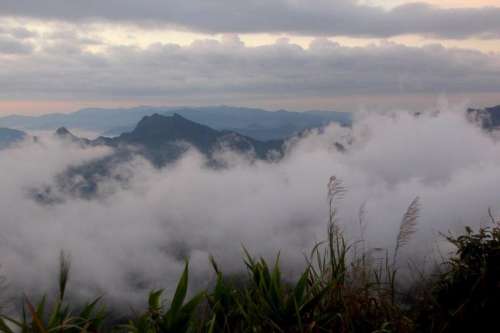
<point x="138" y="237"/>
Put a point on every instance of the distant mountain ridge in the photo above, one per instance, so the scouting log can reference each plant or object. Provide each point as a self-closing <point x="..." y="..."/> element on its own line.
<point x="9" y="137"/>
<point x="256" y="123"/>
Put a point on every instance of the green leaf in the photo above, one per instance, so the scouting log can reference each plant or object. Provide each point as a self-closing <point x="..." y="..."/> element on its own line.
<point x="87" y="310"/>
<point x="4" y="327"/>
<point x="180" y="292"/>
<point x="155" y="300"/>
<point x="36" y="319"/>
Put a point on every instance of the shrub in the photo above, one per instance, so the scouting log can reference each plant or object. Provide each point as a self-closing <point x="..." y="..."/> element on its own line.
<point x="468" y="294"/>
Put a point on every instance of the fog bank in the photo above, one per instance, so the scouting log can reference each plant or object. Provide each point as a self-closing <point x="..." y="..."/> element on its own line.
<point x="138" y="237"/>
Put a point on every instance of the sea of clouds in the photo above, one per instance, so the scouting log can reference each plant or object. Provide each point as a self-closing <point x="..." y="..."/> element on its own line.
<point x="137" y="237"/>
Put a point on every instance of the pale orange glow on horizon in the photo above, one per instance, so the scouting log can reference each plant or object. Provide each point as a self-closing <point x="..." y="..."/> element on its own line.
<point x="22" y="107"/>
<point x="464" y="3"/>
<point x="351" y="103"/>
<point x="438" y="3"/>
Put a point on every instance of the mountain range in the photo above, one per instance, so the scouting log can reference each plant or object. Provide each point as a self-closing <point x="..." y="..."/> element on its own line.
<point x="163" y="139"/>
<point x="256" y="123"/>
<point x="159" y="139"/>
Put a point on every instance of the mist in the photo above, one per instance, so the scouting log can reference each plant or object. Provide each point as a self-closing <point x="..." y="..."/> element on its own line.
<point x="137" y="237"/>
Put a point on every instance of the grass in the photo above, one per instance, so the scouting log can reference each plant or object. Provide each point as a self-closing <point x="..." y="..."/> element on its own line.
<point x="342" y="289"/>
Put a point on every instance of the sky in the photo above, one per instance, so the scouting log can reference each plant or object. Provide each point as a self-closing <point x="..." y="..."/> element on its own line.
<point x="346" y="55"/>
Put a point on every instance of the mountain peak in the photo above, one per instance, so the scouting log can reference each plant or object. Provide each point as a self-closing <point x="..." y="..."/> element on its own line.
<point x="159" y="134"/>
<point x="64" y="134"/>
<point x="157" y="119"/>
<point x="63" y="131"/>
<point x="158" y="129"/>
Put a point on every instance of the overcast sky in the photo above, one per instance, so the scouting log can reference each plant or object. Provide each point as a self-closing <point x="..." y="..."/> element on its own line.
<point x="59" y="55"/>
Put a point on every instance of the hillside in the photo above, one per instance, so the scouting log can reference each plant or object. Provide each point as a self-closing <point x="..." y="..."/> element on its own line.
<point x="9" y="136"/>
<point x="159" y="139"/>
<point x="488" y="118"/>
<point x="163" y="138"/>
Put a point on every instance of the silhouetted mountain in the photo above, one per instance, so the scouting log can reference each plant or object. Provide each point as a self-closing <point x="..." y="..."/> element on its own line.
<point x="9" y="136"/>
<point x="488" y="118"/>
<point x="65" y="134"/>
<point x="161" y="140"/>
<point x="256" y="123"/>
<point x="155" y="131"/>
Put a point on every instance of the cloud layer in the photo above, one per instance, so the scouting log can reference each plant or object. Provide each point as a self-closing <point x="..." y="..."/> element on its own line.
<point x="308" y="17"/>
<point x="66" y="67"/>
<point x="10" y="46"/>
<point x="138" y="237"/>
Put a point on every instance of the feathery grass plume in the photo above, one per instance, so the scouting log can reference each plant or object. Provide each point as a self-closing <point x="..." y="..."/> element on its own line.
<point x="64" y="267"/>
<point x="337" y="248"/>
<point x="336" y="191"/>
<point x="493" y="220"/>
<point x="362" y="221"/>
<point x="362" y="259"/>
<point x="328" y="262"/>
<point x="359" y="246"/>
<point x="407" y="227"/>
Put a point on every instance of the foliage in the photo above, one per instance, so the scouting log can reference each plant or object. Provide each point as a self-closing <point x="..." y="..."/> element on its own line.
<point x="60" y="318"/>
<point x="468" y="294"/>
<point x="177" y="319"/>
